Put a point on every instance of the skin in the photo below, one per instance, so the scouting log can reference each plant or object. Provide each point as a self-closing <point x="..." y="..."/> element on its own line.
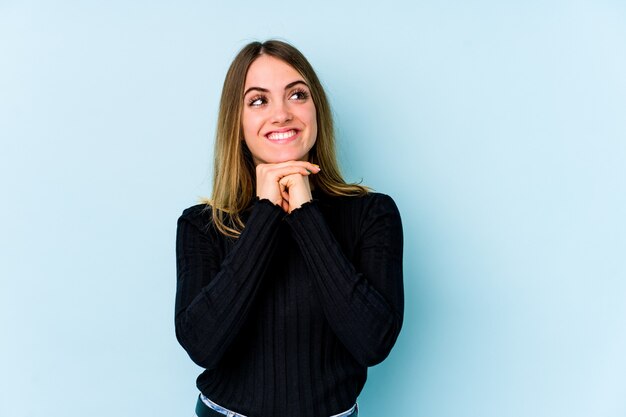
<point x="280" y="128"/>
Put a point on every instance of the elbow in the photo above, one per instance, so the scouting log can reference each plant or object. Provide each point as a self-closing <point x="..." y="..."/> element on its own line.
<point x="198" y="352"/>
<point x="380" y="348"/>
<point x="374" y="358"/>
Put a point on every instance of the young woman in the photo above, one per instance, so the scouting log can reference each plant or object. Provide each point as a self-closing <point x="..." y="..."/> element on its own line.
<point x="289" y="279"/>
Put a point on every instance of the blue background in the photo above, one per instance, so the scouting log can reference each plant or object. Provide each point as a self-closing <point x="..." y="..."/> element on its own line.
<point x="498" y="127"/>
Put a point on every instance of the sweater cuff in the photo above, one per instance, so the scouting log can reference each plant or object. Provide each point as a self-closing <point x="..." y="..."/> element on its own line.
<point x="302" y="210"/>
<point x="264" y="215"/>
<point x="260" y="202"/>
<point x="309" y="225"/>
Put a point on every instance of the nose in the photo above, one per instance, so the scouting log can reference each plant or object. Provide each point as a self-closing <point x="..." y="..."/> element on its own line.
<point x="281" y="113"/>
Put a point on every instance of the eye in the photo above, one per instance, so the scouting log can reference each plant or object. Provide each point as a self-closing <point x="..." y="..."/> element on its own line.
<point x="257" y="101"/>
<point x="299" y="94"/>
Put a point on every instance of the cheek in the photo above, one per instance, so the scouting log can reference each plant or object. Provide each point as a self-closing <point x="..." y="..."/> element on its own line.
<point x="313" y="123"/>
<point x="308" y="115"/>
<point x="249" y="124"/>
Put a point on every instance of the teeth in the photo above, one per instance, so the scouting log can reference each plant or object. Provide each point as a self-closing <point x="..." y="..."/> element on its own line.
<point x="282" y="135"/>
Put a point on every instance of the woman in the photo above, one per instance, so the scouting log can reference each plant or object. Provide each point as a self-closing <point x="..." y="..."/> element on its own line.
<point x="289" y="279"/>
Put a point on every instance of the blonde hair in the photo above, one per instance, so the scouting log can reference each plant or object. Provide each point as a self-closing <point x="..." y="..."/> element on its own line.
<point x="234" y="170"/>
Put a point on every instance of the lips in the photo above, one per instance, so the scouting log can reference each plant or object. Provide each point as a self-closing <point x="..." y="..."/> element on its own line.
<point x="281" y="136"/>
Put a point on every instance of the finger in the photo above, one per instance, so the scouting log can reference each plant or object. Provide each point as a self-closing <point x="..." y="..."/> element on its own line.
<point x="280" y="173"/>
<point x="305" y="164"/>
<point x="266" y="168"/>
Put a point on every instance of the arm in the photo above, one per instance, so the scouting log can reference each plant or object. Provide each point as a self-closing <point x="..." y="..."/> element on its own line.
<point x="213" y="296"/>
<point x="363" y="302"/>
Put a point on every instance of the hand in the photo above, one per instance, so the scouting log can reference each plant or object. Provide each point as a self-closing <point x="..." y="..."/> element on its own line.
<point x="295" y="190"/>
<point x="285" y="184"/>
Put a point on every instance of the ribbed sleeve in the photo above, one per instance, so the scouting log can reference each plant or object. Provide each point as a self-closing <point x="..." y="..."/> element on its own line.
<point x="363" y="303"/>
<point x="213" y="295"/>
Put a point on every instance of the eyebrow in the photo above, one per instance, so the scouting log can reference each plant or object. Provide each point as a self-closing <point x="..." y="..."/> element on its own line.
<point x="265" y="90"/>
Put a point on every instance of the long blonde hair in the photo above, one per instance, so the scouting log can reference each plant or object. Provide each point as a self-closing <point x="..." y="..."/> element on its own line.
<point x="234" y="171"/>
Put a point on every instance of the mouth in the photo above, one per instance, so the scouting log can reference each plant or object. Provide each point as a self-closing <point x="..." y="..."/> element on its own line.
<point x="282" y="136"/>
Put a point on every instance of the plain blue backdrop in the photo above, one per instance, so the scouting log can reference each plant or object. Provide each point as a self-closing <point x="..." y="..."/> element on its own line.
<point x="498" y="127"/>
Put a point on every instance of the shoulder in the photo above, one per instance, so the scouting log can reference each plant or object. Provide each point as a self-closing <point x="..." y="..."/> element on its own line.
<point x="379" y="200"/>
<point x="379" y="205"/>
<point x="371" y="203"/>
<point x="360" y="213"/>
<point x="384" y="202"/>
<point x="199" y="215"/>
<point x="198" y="210"/>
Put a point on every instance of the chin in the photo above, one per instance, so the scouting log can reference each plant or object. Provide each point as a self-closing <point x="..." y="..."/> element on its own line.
<point x="275" y="159"/>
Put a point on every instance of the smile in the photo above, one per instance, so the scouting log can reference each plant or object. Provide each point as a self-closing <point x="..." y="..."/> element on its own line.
<point x="282" y="135"/>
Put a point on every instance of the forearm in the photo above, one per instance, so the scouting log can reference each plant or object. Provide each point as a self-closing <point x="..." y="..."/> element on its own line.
<point x="363" y="303"/>
<point x="214" y="295"/>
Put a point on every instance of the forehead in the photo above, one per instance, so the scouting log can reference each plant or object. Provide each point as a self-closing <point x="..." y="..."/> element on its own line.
<point x="269" y="72"/>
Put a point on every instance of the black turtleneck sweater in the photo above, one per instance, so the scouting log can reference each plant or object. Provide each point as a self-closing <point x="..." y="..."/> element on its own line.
<point x="286" y="318"/>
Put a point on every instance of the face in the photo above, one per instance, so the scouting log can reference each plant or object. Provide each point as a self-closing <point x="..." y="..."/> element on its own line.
<point x="278" y="119"/>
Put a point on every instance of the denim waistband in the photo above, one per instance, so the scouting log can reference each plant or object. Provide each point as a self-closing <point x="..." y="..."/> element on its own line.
<point x="207" y="408"/>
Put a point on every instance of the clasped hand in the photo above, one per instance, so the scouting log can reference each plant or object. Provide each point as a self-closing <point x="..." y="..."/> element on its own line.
<point x="285" y="184"/>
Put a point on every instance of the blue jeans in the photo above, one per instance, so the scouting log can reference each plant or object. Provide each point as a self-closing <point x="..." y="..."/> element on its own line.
<point x="207" y="408"/>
